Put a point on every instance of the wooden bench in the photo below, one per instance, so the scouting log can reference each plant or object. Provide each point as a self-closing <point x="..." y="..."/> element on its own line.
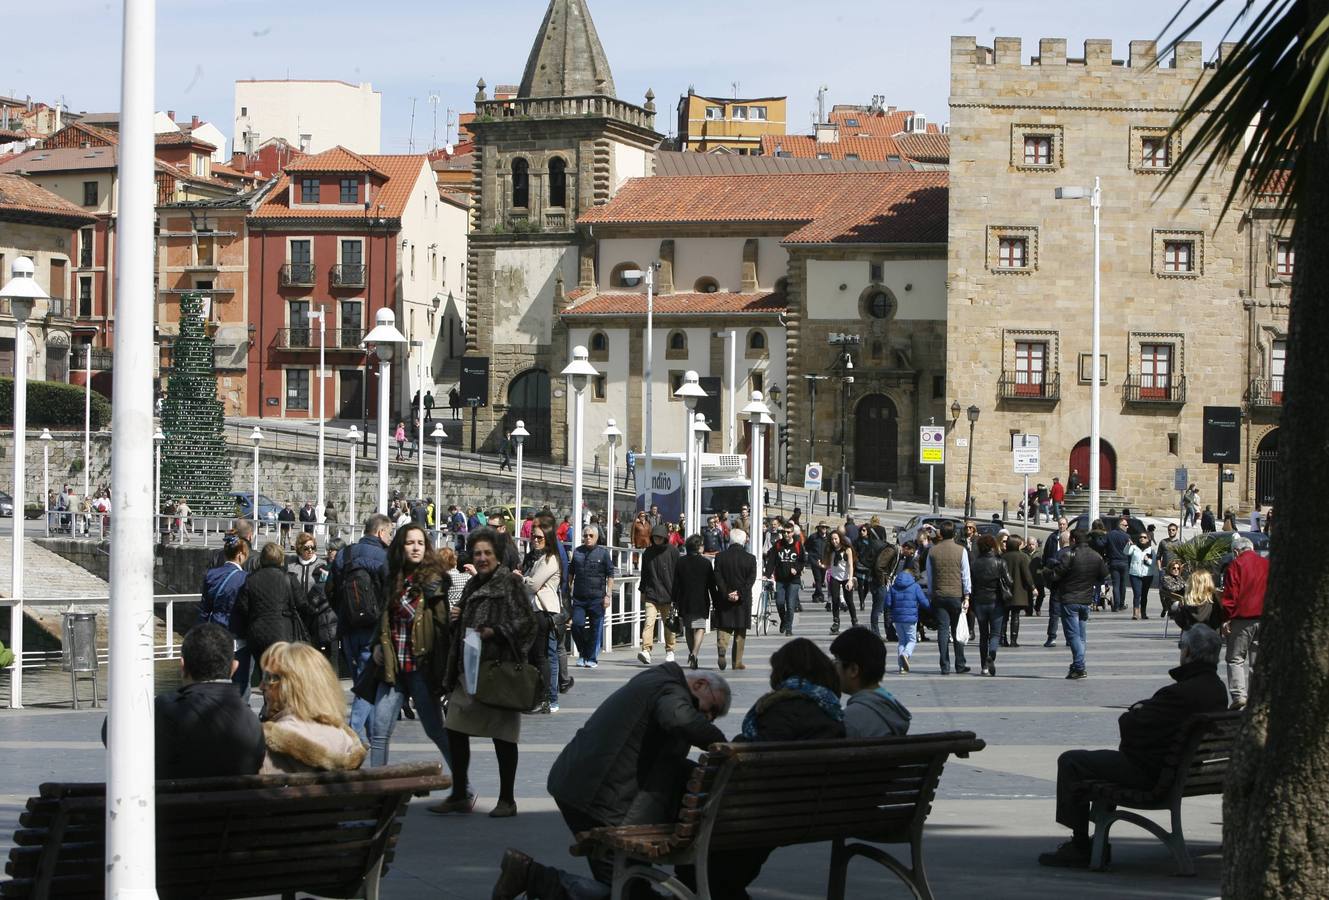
<point x="1196" y="765"/>
<point x="328" y="833"/>
<point x="767" y="795"/>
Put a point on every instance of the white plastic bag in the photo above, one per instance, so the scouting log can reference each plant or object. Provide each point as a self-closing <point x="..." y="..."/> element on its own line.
<point x="962" y="629"/>
<point x="471" y="660"/>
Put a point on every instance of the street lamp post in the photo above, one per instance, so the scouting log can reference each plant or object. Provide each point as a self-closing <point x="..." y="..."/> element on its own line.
<point x="972" y="413"/>
<point x="87" y="419"/>
<point x="846" y="361"/>
<point x="257" y="437"/>
<point x="157" y="439"/>
<point x="1095" y="198"/>
<point x="420" y="424"/>
<point x="46" y="479"/>
<point x="384" y="338"/>
<point x="699" y="431"/>
<point x="781" y="463"/>
<point x="518" y="436"/>
<point x="438" y="435"/>
<point x="759" y="416"/>
<point x="611" y="434"/>
<point x="322" y="316"/>
<point x="353" y="438"/>
<point x="579" y="372"/>
<point x="690" y="392"/>
<point x="22" y="292"/>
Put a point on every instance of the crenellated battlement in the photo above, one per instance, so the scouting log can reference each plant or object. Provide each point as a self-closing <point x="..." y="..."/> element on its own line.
<point x="1097" y="53"/>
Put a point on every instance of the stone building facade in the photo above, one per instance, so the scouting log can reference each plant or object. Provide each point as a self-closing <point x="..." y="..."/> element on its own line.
<point x="1194" y="306"/>
<point x="562" y="145"/>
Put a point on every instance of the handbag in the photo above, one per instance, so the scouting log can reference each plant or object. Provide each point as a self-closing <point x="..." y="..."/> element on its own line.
<point x="1007" y="586"/>
<point x="508" y="684"/>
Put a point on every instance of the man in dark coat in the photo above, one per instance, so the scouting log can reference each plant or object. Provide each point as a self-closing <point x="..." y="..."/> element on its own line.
<point x="1119" y="560"/>
<point x="1078" y="572"/>
<point x="309" y="516"/>
<point x="784" y="563"/>
<point x="694" y="594"/>
<point x="628" y="765"/>
<point x="657" y="589"/>
<point x="1148" y="730"/>
<point x="815" y="548"/>
<point x="204" y="729"/>
<point x="244" y="530"/>
<point x="735" y="574"/>
<point x="286" y="516"/>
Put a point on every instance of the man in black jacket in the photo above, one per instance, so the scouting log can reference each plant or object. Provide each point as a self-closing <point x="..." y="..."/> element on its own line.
<point x="1119" y="560"/>
<point x="1051" y="549"/>
<point x="784" y="563"/>
<point x="1148" y="730"/>
<point x="1077" y="573"/>
<point x="657" y="591"/>
<point x="735" y="575"/>
<point x="815" y="547"/>
<point x="204" y="729"/>
<point x="628" y="765"/>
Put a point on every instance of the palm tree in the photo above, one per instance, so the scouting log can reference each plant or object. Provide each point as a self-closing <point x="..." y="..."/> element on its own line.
<point x="1263" y="112"/>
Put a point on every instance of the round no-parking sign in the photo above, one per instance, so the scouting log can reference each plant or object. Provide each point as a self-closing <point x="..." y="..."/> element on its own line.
<point x="812" y="477"/>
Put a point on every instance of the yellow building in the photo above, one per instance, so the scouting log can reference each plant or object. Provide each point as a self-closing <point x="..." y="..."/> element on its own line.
<point x="723" y="125"/>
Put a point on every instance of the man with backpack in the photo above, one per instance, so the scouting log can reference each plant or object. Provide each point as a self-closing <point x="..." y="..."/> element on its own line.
<point x="359" y="574"/>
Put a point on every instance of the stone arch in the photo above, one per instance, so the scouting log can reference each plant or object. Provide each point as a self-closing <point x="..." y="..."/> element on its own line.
<point x="598" y="345"/>
<point x="529" y="399"/>
<point x="616" y="279"/>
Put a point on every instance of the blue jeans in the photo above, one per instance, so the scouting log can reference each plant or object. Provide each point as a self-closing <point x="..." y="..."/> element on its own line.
<point x="388" y="704"/>
<point x="357" y="645"/>
<point x="587" y="619"/>
<point x="879" y="611"/>
<point x="1073" y="619"/>
<point x="906" y="631"/>
<point x="553" y="642"/>
<point x="1054" y="616"/>
<point x="948" y="611"/>
<point x="990" y="617"/>
<point x="1117" y="573"/>
<point x="786" y="601"/>
<point x="1140" y="585"/>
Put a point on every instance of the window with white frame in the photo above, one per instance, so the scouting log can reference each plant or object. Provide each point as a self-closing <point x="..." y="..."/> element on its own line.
<point x="1179" y="257"/>
<point x="714" y="112"/>
<point x="740" y="113"/>
<point x="1038" y="150"/>
<point x="757" y="113"/>
<point x="1285" y="259"/>
<point x="1277" y="363"/>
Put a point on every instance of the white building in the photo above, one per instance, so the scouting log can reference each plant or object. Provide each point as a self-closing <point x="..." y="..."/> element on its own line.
<point x="311" y="115"/>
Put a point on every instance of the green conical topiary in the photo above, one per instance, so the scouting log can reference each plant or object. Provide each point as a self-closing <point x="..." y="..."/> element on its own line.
<point x="195" y="464"/>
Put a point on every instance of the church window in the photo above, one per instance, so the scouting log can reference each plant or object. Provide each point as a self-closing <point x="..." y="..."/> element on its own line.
<point x="707" y="285"/>
<point x="558" y="182"/>
<point x="521" y="184"/>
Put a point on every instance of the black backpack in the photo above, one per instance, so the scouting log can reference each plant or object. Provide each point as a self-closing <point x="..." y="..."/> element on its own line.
<point x="359" y="592"/>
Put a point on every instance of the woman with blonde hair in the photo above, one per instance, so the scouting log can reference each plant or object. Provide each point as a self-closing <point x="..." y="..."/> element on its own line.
<point x="305" y="728"/>
<point x="1197" y="604"/>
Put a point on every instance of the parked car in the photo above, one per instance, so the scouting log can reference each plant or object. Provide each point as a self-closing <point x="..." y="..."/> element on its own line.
<point x="909" y="530"/>
<point x="6" y="504"/>
<point x="267" y="507"/>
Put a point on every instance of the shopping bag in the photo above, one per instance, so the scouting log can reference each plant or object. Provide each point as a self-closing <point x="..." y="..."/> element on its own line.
<point x="962" y="629"/>
<point x="471" y="660"/>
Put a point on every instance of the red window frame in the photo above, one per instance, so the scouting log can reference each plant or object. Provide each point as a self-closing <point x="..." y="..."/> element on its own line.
<point x="1037" y="150"/>
<point x="1031" y="368"/>
<point x="1012" y="253"/>
<point x="1155" y="153"/>
<point x="1179" y="256"/>
<point x="1155" y="371"/>
<point x="1285" y="259"/>
<point x="1277" y="363"/>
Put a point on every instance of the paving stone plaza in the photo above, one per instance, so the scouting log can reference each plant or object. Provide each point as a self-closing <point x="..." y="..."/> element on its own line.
<point x="992" y="817"/>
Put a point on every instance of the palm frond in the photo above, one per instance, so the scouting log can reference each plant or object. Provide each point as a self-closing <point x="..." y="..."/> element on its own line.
<point x="1204" y="551"/>
<point x="1264" y="101"/>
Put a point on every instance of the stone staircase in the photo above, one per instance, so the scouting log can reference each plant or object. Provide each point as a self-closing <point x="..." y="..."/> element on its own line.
<point x="48" y="575"/>
<point x="1078" y="502"/>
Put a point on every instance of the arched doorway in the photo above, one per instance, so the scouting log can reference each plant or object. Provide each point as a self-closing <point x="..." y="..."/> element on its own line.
<point x="1107" y="464"/>
<point x="876" y="441"/>
<point x="1266" y="467"/>
<point x="528" y="401"/>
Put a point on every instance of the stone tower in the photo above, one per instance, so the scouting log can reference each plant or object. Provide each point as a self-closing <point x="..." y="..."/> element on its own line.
<point x="564" y="144"/>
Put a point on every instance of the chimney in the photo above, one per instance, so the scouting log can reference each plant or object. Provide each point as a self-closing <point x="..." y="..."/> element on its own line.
<point x="194" y="123"/>
<point x="58" y="109"/>
<point x="170" y="114"/>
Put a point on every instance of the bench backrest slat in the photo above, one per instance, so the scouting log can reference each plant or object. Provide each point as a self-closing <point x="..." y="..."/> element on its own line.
<point x="1199" y="758"/>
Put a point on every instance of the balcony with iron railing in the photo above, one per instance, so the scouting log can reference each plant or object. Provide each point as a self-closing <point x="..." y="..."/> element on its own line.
<point x="1032" y="386"/>
<point x="306" y="338"/>
<point x="348" y="276"/>
<point x="103" y="358"/>
<point x="59" y="308"/>
<point x="1266" y="393"/>
<point x="297" y="275"/>
<point x="1164" y="390"/>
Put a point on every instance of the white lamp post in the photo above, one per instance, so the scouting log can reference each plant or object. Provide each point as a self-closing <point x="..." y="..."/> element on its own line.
<point x="157" y="439"/>
<point x="759" y="416"/>
<point x="699" y="431"/>
<point x="690" y="393"/>
<point x="519" y="436"/>
<point x="579" y="373"/>
<point x="87" y="419"/>
<point x="46" y="479"/>
<point x="321" y="315"/>
<point x="257" y="437"/>
<point x="611" y="434"/>
<point x="439" y="435"/>
<point x="384" y="338"/>
<point x="22" y="292"/>
<point x="1095" y="198"/>
<point x="632" y="276"/>
<point x="420" y="424"/>
<point x="353" y="439"/>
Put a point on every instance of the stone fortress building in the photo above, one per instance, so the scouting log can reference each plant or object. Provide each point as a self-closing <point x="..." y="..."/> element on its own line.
<point x="1194" y="310"/>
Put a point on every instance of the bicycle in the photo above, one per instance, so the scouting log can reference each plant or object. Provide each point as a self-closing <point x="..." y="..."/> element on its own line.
<point x="766" y="611"/>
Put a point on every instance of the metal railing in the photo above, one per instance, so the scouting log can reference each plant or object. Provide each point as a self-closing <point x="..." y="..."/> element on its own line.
<point x="1266" y="392"/>
<point x="59" y="308"/>
<point x="305" y="337"/>
<point x="103" y="358"/>
<point x="348" y="276"/>
<point x="1018" y="385"/>
<point x="301" y="274"/>
<point x="1165" y="389"/>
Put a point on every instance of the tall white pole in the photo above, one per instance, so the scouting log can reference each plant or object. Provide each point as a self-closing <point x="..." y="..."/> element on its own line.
<point x="351" y="489"/>
<point x="87" y="421"/>
<point x="131" y="827"/>
<point x="384" y="377"/>
<point x="322" y="411"/>
<point x="689" y="449"/>
<point x="420" y="421"/>
<point x="438" y="484"/>
<point x="649" y="496"/>
<point x="20" y="483"/>
<point x="46" y="485"/>
<point x="731" y="372"/>
<point x="1095" y="387"/>
<point x="758" y="513"/>
<point x="516" y="501"/>
<point x="156" y="488"/>
<point x="254" y="496"/>
<point x="578" y="426"/>
<point x="609" y="501"/>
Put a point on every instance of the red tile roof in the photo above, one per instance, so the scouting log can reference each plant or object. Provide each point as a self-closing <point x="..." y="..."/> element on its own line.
<point x="929" y="148"/>
<point x="805" y="146"/>
<point x="852" y="207"/>
<point x="172" y="138"/>
<point x="338" y="159"/>
<point x="389" y="199"/>
<point x="882" y="124"/>
<point x="18" y="194"/>
<point x="687" y="304"/>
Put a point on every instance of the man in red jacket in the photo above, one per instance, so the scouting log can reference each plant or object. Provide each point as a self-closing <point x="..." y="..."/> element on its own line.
<point x="1243" y="601"/>
<point x="1058" y="494"/>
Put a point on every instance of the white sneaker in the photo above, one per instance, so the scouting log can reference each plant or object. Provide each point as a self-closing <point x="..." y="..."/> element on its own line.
<point x="669" y="656"/>
<point x="553" y="707"/>
<point x="643" y="657"/>
<point x="592" y="665"/>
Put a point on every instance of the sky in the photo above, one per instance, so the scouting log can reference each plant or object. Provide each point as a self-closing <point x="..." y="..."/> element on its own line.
<point x="412" y="49"/>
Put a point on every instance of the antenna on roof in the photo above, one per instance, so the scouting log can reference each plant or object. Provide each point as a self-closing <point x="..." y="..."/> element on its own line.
<point x="410" y="140"/>
<point x="433" y="101"/>
<point x="735" y="85"/>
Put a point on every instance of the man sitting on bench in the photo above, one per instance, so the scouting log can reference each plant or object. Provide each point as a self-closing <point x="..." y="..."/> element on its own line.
<point x="1148" y="730"/>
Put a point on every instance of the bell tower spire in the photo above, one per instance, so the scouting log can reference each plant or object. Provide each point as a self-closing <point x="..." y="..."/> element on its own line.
<point x="567" y="59"/>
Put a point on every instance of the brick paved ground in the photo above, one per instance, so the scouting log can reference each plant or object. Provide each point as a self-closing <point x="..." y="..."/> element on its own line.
<point x="994" y="813"/>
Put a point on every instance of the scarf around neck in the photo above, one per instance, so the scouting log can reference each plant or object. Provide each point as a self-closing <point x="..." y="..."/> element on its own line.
<point x="826" y="700"/>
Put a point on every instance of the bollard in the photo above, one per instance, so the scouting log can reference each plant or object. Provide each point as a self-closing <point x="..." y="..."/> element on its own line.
<point x="934" y="504"/>
<point x="1005" y="510"/>
<point x="890" y="500"/>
